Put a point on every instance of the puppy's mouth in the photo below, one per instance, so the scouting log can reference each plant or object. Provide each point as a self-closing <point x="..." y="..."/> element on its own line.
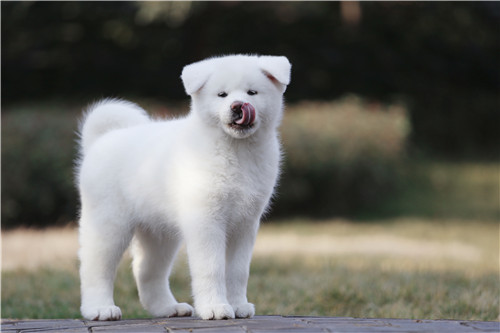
<point x="243" y="115"/>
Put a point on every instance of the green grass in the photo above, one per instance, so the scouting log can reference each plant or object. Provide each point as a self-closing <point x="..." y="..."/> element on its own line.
<point x="287" y="283"/>
<point x="332" y="288"/>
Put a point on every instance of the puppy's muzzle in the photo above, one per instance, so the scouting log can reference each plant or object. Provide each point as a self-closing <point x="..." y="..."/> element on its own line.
<point x="243" y="114"/>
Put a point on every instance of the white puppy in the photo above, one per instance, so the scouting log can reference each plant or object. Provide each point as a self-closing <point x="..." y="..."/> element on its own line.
<point x="206" y="178"/>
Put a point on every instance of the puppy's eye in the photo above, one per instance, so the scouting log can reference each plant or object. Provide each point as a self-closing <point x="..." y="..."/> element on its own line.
<point x="222" y="94"/>
<point x="252" y="92"/>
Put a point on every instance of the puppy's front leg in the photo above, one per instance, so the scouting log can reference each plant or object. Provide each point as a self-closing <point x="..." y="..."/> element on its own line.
<point x="206" y="247"/>
<point x="238" y="256"/>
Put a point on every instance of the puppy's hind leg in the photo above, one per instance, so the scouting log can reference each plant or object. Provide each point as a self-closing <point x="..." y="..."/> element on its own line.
<point x="153" y="258"/>
<point x="101" y="249"/>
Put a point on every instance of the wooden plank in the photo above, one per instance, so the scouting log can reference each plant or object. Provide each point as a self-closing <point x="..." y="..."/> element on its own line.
<point x="258" y="324"/>
<point x="65" y="325"/>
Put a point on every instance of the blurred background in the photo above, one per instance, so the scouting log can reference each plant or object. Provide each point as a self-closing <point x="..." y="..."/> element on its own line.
<point x="390" y="183"/>
<point x="389" y="101"/>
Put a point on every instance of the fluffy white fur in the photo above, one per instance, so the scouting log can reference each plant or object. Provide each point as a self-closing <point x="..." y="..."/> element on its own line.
<point x="196" y="179"/>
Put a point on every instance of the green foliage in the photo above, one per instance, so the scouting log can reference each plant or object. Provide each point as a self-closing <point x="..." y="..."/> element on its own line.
<point x="340" y="157"/>
<point x="38" y="149"/>
<point x="445" y="189"/>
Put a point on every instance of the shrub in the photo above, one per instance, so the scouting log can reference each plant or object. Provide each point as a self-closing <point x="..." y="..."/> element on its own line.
<point x="38" y="148"/>
<point x="341" y="156"/>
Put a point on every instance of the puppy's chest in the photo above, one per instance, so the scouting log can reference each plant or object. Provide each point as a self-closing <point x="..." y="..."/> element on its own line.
<point x="247" y="179"/>
<point x="244" y="177"/>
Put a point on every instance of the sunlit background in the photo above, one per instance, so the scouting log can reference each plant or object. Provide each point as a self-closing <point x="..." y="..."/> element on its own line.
<point x="390" y="182"/>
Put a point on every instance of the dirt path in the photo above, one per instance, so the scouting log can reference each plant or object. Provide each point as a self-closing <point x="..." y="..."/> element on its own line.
<point x="58" y="247"/>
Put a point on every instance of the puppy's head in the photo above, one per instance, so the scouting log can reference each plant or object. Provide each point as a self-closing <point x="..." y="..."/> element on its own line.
<point x="240" y="94"/>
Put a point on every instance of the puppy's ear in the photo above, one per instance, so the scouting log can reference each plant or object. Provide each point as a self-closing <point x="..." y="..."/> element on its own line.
<point x="277" y="69"/>
<point x="195" y="76"/>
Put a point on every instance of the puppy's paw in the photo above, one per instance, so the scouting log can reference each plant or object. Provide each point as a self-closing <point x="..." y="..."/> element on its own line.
<point x="215" y="311"/>
<point x="110" y="312"/>
<point x="246" y="310"/>
<point x="176" y="310"/>
<point x="184" y="310"/>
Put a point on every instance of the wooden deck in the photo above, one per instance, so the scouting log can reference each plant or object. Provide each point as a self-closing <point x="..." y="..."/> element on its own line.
<point x="258" y="324"/>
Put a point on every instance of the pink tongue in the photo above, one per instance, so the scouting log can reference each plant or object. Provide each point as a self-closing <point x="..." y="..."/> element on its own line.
<point x="247" y="115"/>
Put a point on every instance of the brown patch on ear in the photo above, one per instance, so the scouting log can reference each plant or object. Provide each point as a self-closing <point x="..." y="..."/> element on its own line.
<point x="272" y="78"/>
<point x="280" y="86"/>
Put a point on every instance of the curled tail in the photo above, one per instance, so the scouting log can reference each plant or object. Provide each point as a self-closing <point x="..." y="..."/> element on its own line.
<point x="108" y="115"/>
